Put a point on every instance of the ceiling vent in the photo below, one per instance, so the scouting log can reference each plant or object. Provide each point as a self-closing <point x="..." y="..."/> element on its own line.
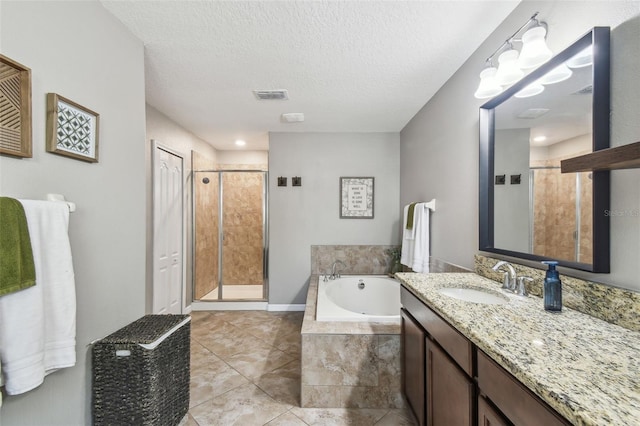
<point x="292" y="117"/>
<point x="271" y="95"/>
<point x="532" y="113"/>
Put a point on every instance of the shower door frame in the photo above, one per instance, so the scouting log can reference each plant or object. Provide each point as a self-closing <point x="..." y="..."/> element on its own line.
<point x="265" y="232"/>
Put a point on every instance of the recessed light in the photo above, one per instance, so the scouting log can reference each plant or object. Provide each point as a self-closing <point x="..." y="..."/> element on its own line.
<point x="240" y="142"/>
<point x="540" y="139"/>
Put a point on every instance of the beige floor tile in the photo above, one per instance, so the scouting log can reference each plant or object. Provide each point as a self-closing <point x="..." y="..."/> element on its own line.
<point x="213" y="380"/>
<point x="397" y="417"/>
<point x="339" y="416"/>
<point x="282" y="384"/>
<point x="245" y="370"/>
<point x="246" y="405"/>
<point x="286" y="419"/>
<point x="258" y="361"/>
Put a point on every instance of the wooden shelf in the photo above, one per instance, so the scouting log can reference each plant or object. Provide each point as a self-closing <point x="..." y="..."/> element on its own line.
<point x="620" y="157"/>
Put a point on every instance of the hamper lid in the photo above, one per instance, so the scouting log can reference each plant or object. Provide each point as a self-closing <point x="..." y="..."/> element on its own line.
<point x="147" y="329"/>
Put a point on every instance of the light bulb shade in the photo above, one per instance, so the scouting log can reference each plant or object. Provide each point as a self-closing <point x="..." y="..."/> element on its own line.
<point x="556" y="75"/>
<point x="488" y="86"/>
<point x="533" y="89"/>
<point x="508" y="71"/>
<point x="534" y="48"/>
<point x="582" y="59"/>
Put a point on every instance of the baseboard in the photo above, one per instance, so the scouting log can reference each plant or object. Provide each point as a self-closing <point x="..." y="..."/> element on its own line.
<point x="285" y="308"/>
<point x="228" y="306"/>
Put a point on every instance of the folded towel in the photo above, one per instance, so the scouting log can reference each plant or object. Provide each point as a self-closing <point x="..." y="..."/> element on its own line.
<point x="410" y="213"/>
<point x="415" y="241"/>
<point x="38" y="324"/>
<point x="420" y="261"/>
<point x="17" y="270"/>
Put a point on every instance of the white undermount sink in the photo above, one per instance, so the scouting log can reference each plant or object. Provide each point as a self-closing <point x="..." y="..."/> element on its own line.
<point x="474" y="295"/>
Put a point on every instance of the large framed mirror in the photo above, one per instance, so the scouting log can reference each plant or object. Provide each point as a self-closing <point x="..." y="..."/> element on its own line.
<point x="528" y="208"/>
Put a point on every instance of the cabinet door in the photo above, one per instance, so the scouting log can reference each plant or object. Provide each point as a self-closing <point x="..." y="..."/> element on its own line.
<point x="487" y="416"/>
<point x="450" y="399"/>
<point x="413" y="363"/>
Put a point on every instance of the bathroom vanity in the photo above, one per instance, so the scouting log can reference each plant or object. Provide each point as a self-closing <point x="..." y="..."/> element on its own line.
<point x="504" y="360"/>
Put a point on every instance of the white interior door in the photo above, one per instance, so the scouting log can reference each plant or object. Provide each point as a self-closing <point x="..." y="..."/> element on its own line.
<point x="167" y="232"/>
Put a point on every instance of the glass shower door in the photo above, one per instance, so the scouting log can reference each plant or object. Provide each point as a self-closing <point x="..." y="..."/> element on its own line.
<point x="243" y="235"/>
<point x="230" y="232"/>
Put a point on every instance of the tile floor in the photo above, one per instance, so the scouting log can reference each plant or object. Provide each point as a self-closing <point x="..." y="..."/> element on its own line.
<point x="236" y="291"/>
<point x="245" y="370"/>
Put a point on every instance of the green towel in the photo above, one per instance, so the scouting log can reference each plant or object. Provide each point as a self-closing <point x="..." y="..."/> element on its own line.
<point x="412" y="208"/>
<point x="17" y="270"/>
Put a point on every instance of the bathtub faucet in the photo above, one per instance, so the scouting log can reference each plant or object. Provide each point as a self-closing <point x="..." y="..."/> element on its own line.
<point x="335" y="274"/>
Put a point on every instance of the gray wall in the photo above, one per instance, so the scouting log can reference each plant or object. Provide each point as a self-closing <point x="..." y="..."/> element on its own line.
<point x="309" y="215"/>
<point x="170" y="134"/>
<point x="439" y="146"/>
<point x="81" y="52"/>
<point x="512" y="201"/>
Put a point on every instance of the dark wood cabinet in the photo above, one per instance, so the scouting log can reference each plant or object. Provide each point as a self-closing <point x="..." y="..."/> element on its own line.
<point x="449" y="390"/>
<point x="413" y="364"/>
<point x="487" y="416"/>
<point x="513" y="399"/>
<point x="437" y="375"/>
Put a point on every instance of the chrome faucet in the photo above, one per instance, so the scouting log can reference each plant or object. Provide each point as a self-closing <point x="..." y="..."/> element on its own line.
<point x="335" y="274"/>
<point x="509" y="281"/>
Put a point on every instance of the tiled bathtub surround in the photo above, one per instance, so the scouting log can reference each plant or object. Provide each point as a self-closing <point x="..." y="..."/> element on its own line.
<point x="346" y="364"/>
<point x="614" y="305"/>
<point x="360" y="260"/>
<point x="365" y="260"/>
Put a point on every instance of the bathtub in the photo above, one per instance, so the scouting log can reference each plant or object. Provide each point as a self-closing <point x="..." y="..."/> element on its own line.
<point x="368" y="298"/>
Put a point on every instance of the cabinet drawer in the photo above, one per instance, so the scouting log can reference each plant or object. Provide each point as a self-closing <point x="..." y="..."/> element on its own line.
<point x="515" y="401"/>
<point x="454" y="343"/>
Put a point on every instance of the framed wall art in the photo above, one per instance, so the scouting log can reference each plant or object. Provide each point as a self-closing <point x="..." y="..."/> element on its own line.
<point x="72" y="130"/>
<point x="356" y="197"/>
<point x="15" y="108"/>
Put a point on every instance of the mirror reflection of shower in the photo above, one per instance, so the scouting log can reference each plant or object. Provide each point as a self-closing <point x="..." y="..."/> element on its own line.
<point x="560" y="214"/>
<point x="229" y="235"/>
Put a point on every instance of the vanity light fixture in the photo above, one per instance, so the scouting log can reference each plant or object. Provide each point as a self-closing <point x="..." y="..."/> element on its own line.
<point x="582" y="59"/>
<point x="556" y="75"/>
<point x="488" y="87"/>
<point x="508" y="71"/>
<point x="533" y="89"/>
<point x="513" y="64"/>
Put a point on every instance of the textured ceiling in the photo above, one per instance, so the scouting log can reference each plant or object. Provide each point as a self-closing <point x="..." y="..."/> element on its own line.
<point x="349" y="66"/>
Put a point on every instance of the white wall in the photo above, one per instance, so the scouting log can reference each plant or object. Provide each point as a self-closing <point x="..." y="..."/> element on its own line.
<point x="439" y="146"/>
<point x="78" y="50"/>
<point x="308" y="215"/>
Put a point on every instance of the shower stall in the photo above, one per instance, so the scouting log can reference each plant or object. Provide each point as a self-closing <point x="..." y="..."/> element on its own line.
<point x="560" y="215"/>
<point x="230" y="235"/>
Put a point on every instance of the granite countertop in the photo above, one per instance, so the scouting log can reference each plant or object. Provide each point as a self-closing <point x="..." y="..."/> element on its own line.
<point x="588" y="370"/>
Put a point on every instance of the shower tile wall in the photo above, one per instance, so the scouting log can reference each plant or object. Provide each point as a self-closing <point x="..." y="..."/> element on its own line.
<point x="207" y="230"/>
<point x="243" y="243"/>
<point x="554" y="226"/>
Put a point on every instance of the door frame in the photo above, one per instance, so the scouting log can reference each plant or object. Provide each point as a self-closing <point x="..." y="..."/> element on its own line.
<point x="156" y="145"/>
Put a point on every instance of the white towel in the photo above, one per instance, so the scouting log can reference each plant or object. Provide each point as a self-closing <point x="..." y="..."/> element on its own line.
<point x="38" y="324"/>
<point x="408" y="235"/>
<point x="415" y="248"/>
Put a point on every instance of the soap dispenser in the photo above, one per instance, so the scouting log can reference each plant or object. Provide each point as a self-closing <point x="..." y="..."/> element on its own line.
<point x="552" y="290"/>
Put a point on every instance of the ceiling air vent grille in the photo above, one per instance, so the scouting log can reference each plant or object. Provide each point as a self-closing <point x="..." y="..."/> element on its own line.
<point x="271" y="95"/>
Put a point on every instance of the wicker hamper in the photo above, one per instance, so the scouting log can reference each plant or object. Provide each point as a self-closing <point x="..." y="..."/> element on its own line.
<point x="141" y="373"/>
